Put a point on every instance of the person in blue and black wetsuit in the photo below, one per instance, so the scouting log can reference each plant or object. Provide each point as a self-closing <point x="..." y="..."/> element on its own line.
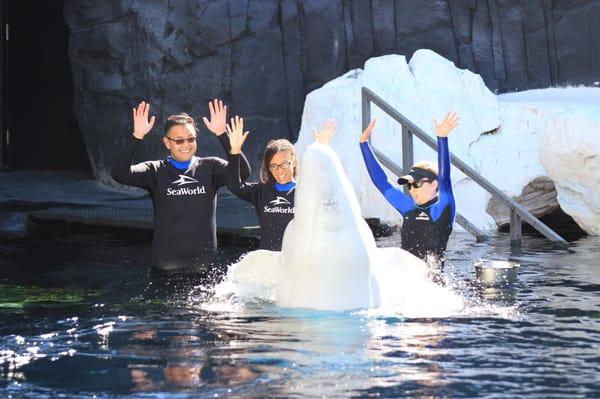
<point x="183" y="187"/>
<point x="273" y="196"/>
<point x="428" y="214"/>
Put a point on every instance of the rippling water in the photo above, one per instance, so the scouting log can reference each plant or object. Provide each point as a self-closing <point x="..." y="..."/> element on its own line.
<point x="81" y="315"/>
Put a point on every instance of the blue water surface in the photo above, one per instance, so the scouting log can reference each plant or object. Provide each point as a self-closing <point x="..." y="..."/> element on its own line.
<point x="81" y="315"/>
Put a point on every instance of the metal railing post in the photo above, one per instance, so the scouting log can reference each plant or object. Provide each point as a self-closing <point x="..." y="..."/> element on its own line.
<point x="366" y="112"/>
<point x="516" y="231"/>
<point x="407" y="152"/>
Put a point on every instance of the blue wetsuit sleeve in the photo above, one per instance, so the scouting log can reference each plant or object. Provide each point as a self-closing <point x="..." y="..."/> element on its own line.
<point x="445" y="184"/>
<point x="395" y="197"/>
<point x="236" y="184"/>
<point x="139" y="175"/>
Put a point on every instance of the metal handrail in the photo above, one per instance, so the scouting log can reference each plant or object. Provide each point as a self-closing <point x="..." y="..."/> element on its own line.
<point x="517" y="212"/>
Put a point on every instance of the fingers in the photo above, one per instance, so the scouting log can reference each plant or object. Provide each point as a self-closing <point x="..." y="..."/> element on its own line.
<point x="206" y="121"/>
<point x="451" y="117"/>
<point x="236" y="124"/>
<point x="142" y="110"/>
<point x="138" y="110"/>
<point x="152" y="120"/>
<point x="216" y="107"/>
<point x="372" y="124"/>
<point x="366" y="134"/>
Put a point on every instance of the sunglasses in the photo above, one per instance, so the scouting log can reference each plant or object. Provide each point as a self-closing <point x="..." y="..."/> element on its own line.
<point x="181" y="141"/>
<point x="418" y="184"/>
<point x="285" y="165"/>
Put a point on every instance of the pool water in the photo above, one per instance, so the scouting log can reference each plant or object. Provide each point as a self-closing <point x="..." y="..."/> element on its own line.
<point x="81" y="315"/>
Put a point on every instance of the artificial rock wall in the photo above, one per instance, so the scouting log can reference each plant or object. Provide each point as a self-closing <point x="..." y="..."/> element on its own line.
<point x="264" y="56"/>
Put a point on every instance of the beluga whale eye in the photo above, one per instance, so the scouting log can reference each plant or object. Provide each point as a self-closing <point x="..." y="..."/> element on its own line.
<point x="328" y="202"/>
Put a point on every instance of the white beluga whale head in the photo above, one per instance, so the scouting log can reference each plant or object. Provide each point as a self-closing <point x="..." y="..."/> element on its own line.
<point x="325" y="261"/>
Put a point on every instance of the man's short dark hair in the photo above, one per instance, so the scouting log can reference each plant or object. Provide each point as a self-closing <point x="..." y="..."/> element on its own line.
<point x="179" y="119"/>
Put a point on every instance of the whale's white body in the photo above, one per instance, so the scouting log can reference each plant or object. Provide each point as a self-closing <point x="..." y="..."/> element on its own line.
<point x="329" y="259"/>
<point x="325" y="258"/>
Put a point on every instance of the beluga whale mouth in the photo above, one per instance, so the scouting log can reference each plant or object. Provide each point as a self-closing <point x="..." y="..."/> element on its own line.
<point x="329" y="259"/>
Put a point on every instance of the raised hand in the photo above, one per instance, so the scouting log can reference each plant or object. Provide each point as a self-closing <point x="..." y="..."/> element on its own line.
<point x="141" y="125"/>
<point x="326" y="133"/>
<point x="451" y="120"/>
<point x="366" y="134"/>
<point x="237" y="136"/>
<point x="218" y="117"/>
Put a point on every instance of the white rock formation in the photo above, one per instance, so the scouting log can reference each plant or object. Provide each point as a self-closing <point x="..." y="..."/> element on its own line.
<point x="570" y="149"/>
<point x="510" y="139"/>
<point x="425" y="88"/>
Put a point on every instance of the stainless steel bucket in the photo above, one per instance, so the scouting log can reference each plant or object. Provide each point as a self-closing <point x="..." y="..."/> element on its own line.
<point x="496" y="272"/>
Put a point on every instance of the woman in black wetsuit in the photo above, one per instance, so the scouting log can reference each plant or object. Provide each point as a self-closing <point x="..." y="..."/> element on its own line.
<point x="273" y="196"/>
<point x="428" y="212"/>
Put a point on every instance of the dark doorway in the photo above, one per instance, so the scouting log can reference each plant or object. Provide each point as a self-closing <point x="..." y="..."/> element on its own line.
<point x="39" y="127"/>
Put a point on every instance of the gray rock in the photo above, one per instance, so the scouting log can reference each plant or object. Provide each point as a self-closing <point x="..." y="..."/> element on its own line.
<point x="263" y="57"/>
<point x="538" y="197"/>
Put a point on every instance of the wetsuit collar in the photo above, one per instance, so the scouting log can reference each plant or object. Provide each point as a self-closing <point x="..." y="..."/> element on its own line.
<point x="428" y="203"/>
<point x="178" y="164"/>
<point x="285" y="187"/>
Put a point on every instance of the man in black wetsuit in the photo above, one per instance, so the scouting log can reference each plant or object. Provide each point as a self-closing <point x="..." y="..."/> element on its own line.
<point x="183" y="187"/>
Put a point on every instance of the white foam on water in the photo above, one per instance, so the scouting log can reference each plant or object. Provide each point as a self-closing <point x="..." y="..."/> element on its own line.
<point x="405" y="292"/>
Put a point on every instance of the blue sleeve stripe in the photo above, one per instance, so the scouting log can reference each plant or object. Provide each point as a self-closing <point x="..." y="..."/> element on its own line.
<point x="445" y="184"/>
<point x="395" y="197"/>
<point x="444" y="164"/>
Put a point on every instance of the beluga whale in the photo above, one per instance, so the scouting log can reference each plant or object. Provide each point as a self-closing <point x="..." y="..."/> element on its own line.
<point x="325" y="256"/>
<point x="329" y="259"/>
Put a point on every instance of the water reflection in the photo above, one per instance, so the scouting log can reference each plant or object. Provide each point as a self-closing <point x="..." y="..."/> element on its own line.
<point x="187" y="364"/>
<point x="142" y="335"/>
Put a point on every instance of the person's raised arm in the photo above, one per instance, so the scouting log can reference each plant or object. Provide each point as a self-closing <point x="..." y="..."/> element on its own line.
<point x="135" y="175"/>
<point x="395" y="197"/>
<point x="327" y="132"/>
<point x="235" y="182"/>
<point x="442" y="130"/>
<point x="217" y="125"/>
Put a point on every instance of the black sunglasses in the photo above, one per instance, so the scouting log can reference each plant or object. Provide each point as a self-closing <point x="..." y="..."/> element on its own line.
<point x="181" y="141"/>
<point x="418" y="184"/>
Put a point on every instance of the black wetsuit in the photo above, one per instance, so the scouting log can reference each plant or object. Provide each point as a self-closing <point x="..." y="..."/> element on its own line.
<point x="274" y="204"/>
<point x="425" y="228"/>
<point x="184" y="202"/>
